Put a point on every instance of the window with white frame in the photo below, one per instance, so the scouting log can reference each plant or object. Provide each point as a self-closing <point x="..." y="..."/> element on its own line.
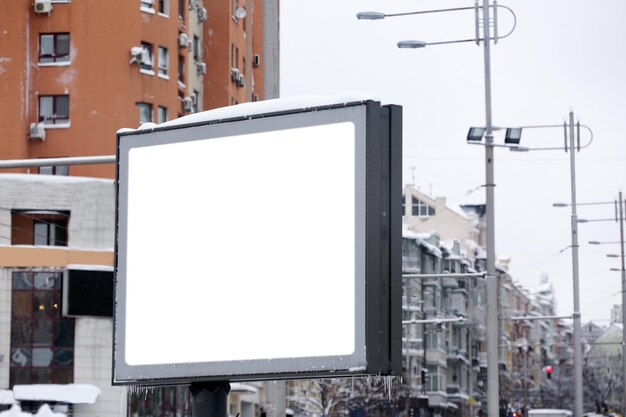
<point x="421" y="209"/>
<point x="163" y="62"/>
<point x="54" y="110"/>
<point x="147" y="60"/>
<point x="436" y="379"/>
<point x="161" y="114"/>
<point x="54" y="48"/>
<point x="164" y="7"/>
<point x="145" y="112"/>
<point x="146" y="6"/>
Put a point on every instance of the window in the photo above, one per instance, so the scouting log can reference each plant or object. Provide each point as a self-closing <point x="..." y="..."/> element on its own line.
<point x="161" y="402"/>
<point x="163" y="62"/>
<point x="146" y="58"/>
<point x="181" y="9"/>
<point x="54" y="170"/>
<point x="49" y="233"/>
<point x="54" y="48"/>
<point x="164" y="7"/>
<point x="234" y="56"/>
<point x="39" y="227"/>
<point x="42" y="342"/>
<point x="197" y="49"/>
<point x="161" y="114"/>
<point x="54" y="110"/>
<point x="145" y="112"/>
<point x="181" y="68"/>
<point x="146" y="6"/>
<point x="436" y="379"/>
<point x="421" y="209"/>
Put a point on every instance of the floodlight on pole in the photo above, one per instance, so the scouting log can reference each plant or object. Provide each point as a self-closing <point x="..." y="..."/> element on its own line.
<point x="513" y="135"/>
<point x="476" y="133"/>
<point x="492" y="310"/>
<point x="612" y="255"/>
<point x="615" y="269"/>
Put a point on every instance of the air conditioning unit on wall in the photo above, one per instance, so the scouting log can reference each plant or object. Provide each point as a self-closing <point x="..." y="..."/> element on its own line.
<point x="136" y="54"/>
<point x="43" y="6"/>
<point x="203" y="15"/>
<point x="201" y="68"/>
<point x="187" y="103"/>
<point x="183" y="40"/>
<point x="234" y="74"/>
<point x="37" y="131"/>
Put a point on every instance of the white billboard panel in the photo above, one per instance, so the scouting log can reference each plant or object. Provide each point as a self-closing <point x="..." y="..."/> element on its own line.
<point x="241" y="250"/>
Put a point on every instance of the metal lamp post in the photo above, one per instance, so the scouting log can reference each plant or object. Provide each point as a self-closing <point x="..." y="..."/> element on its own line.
<point x="492" y="284"/>
<point x="619" y="217"/>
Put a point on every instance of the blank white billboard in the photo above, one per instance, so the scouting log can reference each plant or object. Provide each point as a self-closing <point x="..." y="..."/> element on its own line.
<point x="242" y="249"/>
<point x="242" y="229"/>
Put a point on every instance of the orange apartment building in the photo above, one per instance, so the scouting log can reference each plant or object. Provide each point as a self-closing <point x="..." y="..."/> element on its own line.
<point x="73" y="72"/>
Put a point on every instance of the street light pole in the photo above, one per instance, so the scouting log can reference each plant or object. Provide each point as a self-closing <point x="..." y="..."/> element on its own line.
<point x="492" y="328"/>
<point x="578" y="365"/>
<point x="621" y="241"/>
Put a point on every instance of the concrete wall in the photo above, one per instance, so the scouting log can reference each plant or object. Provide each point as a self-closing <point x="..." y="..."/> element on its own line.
<point x="93" y="365"/>
<point x="91" y="203"/>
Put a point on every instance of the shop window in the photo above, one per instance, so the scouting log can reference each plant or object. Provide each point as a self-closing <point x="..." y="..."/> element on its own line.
<point x="42" y="341"/>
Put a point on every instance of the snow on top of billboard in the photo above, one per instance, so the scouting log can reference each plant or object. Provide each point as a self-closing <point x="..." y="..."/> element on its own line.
<point x="261" y="107"/>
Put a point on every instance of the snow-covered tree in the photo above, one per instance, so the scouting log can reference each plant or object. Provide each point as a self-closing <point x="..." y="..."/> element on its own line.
<point x="340" y="397"/>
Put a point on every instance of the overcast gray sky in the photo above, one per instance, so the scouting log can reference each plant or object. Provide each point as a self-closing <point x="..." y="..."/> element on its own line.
<point x="564" y="55"/>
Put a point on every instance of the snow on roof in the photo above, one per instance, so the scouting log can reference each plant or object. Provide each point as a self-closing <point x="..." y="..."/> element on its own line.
<point x="6" y="397"/>
<point x="458" y="210"/>
<point x="430" y="248"/>
<point x="262" y="107"/>
<point x="239" y="388"/>
<point x="81" y="267"/>
<point x="71" y="393"/>
<point x="53" y="179"/>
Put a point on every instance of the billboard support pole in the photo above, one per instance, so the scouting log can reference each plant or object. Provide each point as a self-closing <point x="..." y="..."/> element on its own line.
<point x="210" y="398"/>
